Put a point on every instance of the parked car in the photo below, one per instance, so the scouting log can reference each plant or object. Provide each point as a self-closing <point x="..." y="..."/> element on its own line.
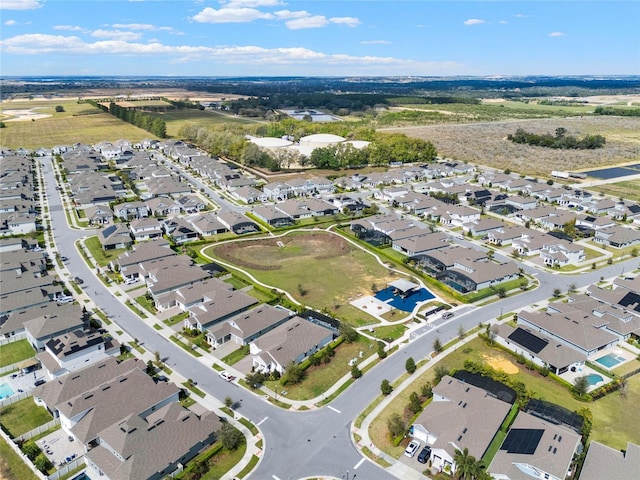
<point x="226" y="376"/>
<point x="40" y="381"/>
<point x="78" y="280"/>
<point x="65" y="299"/>
<point x="64" y="259"/>
<point x="131" y="280"/>
<point x="447" y="315"/>
<point x="412" y="448"/>
<point x="425" y="454"/>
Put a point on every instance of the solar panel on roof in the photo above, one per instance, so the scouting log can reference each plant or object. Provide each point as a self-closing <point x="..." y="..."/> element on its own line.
<point x="631" y="299"/>
<point x="522" y="441"/>
<point x="528" y="340"/>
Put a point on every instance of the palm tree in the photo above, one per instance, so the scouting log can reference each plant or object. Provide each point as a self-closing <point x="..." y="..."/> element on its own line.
<point x="467" y="467"/>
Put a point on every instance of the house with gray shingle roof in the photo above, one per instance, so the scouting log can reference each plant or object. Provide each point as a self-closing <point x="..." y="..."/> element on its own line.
<point x="292" y="341"/>
<point x="606" y="462"/>
<point x="247" y="326"/>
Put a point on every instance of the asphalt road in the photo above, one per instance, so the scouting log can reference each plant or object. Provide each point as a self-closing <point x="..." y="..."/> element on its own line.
<point x="306" y="443"/>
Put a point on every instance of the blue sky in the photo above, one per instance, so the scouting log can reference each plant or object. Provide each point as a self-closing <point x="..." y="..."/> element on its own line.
<point x="321" y="37"/>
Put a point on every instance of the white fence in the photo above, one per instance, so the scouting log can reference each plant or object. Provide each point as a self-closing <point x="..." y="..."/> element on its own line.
<point x="24" y="458"/>
<point x="15" y="338"/>
<point x="67" y="467"/>
<point x="38" y="430"/>
<point x="14" y="398"/>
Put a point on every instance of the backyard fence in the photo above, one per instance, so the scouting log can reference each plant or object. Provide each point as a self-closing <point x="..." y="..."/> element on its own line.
<point x="38" y="430"/>
<point x="22" y="456"/>
<point x="631" y="374"/>
<point x="66" y="468"/>
<point x="14" y="338"/>
<point x="13" y="399"/>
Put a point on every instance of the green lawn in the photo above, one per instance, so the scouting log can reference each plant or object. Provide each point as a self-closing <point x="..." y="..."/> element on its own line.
<point x="295" y="267"/>
<point x="23" y="416"/>
<point x="321" y="378"/>
<point x="102" y="257"/>
<point x="176" y="319"/>
<point x="629" y="190"/>
<point x="615" y="416"/>
<point x="11" y="465"/>
<point x="176" y="119"/>
<point x="15" y="352"/>
<point x="389" y="332"/>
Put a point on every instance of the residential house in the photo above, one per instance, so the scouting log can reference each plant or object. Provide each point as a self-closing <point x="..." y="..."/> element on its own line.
<point x="277" y="191"/>
<point x="128" y="263"/>
<point x="220" y="305"/>
<point x="207" y="224"/>
<point x="603" y="461"/>
<point x="41" y="329"/>
<point x="237" y="223"/>
<point x="191" y="203"/>
<point x="460" y="416"/>
<point x="247" y="326"/>
<point x="180" y="230"/>
<point x="519" y="202"/>
<point x="249" y="195"/>
<point x="617" y="237"/>
<point x="535" y="448"/>
<point x="273" y="216"/>
<point x="290" y="342"/>
<point x="98" y="215"/>
<point x="162" y="207"/>
<point x="115" y="236"/>
<point x="170" y="273"/>
<point x="417" y="245"/>
<point x="131" y="210"/>
<point x="145" y="229"/>
<point x="458" y="215"/>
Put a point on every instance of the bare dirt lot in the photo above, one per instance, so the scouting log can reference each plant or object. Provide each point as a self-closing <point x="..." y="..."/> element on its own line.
<point x="486" y="143"/>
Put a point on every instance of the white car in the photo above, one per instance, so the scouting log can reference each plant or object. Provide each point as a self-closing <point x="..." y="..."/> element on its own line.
<point x="226" y="376"/>
<point x="131" y="281"/>
<point x="65" y="299"/>
<point x="412" y="448"/>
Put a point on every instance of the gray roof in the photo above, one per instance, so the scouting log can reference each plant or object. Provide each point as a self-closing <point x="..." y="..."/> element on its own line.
<point x="53" y="324"/>
<point x="291" y="339"/>
<point x="16" y="320"/>
<point x="462" y="416"/>
<point x="256" y="320"/>
<point x="552" y="455"/>
<point x="223" y="304"/>
<point x="149" y="445"/>
<point x="605" y="462"/>
<point x="143" y="253"/>
<point x="196" y="293"/>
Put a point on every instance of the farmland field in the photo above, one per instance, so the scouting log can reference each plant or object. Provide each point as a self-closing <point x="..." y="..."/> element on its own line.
<point x="176" y="119"/>
<point x="485" y="143"/>
<point x="318" y="269"/>
<point x="80" y="122"/>
<point x="629" y="190"/>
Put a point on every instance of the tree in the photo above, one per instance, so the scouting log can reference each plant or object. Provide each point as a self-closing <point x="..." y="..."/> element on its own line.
<point x="31" y="450"/>
<point x="437" y="345"/>
<point x="42" y="463"/>
<point x="151" y="370"/>
<point x="396" y="425"/>
<point x="467" y="467"/>
<point x="385" y="387"/>
<point x="557" y="292"/>
<point x="255" y="380"/>
<point x="426" y="390"/>
<point x="230" y="437"/>
<point x="228" y="402"/>
<point x="580" y="386"/>
<point x="293" y="374"/>
<point x="410" y="365"/>
<point x="439" y="373"/>
<point x="355" y="371"/>
<point x="382" y="353"/>
<point x="460" y="332"/>
<point x="349" y="333"/>
<point x="572" y="288"/>
<point x="414" y="403"/>
<point x="59" y="108"/>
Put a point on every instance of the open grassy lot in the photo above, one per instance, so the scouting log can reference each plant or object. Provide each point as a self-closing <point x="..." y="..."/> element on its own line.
<point x="629" y="190"/>
<point x="15" y="352"/>
<point x="321" y="378"/>
<point x="615" y="417"/>
<point x="11" y="465"/>
<point x="23" y="416"/>
<point x="319" y="269"/>
<point x="78" y="123"/>
<point x="176" y="119"/>
<point x="102" y="257"/>
<point x="486" y="143"/>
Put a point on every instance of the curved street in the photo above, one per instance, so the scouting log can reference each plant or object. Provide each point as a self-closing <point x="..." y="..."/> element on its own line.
<point x="316" y="442"/>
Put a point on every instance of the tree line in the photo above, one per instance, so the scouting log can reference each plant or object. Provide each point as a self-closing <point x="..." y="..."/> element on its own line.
<point x="560" y="141"/>
<point x="151" y="123"/>
<point x="621" y="112"/>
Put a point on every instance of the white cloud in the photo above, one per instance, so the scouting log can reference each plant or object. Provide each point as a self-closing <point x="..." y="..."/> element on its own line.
<point x="145" y="27"/>
<point x="348" y="21"/>
<point x="288" y="14"/>
<point x="251" y="3"/>
<point x="10" y="22"/>
<point x="314" y="21"/>
<point x="557" y="34"/>
<point x="230" y="15"/>
<point x="20" y="4"/>
<point x="474" y="21"/>
<point x="116" y="34"/>
<point x="69" y="28"/>
<point x="375" y="42"/>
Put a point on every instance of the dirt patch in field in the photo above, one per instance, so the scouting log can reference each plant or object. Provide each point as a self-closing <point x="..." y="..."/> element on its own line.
<point x="501" y="364"/>
<point x="24" y="115"/>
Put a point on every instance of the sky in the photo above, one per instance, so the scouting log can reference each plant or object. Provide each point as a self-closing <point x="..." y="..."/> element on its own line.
<point x="318" y="38"/>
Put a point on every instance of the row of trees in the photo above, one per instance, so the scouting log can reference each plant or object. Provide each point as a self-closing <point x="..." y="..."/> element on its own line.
<point x="618" y="112"/>
<point x="151" y="123"/>
<point x="560" y="141"/>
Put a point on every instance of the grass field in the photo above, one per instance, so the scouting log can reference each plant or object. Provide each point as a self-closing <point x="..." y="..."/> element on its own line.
<point x="615" y="417"/>
<point x="176" y="119"/>
<point x="102" y="257"/>
<point x="321" y="378"/>
<point x="23" y="416"/>
<point x="78" y="123"/>
<point x="629" y="190"/>
<point x="485" y="142"/>
<point x="11" y="465"/>
<point x="15" y="352"/>
<point x="344" y="272"/>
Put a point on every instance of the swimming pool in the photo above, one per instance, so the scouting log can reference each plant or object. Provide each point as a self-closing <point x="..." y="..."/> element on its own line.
<point x="5" y="391"/>
<point x="406" y="304"/>
<point x="610" y="360"/>
<point x="594" y="378"/>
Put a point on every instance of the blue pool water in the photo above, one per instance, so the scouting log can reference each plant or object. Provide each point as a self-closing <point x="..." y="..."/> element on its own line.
<point x="5" y="391"/>
<point x="405" y="304"/>
<point x="610" y="360"/>
<point x="594" y="378"/>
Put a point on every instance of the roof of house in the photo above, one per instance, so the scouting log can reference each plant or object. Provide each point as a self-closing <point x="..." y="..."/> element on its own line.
<point x="287" y="341"/>
<point x="152" y="250"/>
<point x="537" y="443"/>
<point x="251" y="322"/>
<point x="462" y="416"/>
<point x="223" y="304"/>
<point x="605" y="462"/>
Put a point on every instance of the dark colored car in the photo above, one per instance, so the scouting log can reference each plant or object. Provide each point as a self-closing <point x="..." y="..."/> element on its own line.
<point x="78" y="280"/>
<point x="424" y="455"/>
